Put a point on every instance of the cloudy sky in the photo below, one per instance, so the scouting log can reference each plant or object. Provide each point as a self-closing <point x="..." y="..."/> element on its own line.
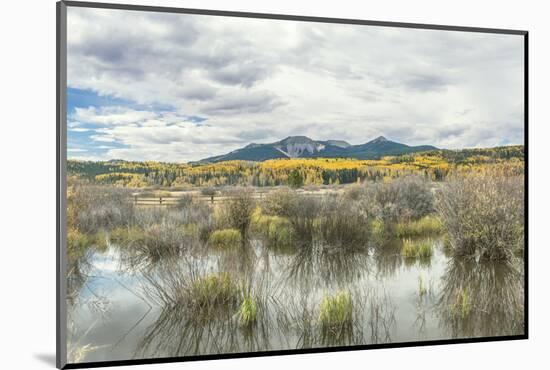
<point x="177" y="87"/>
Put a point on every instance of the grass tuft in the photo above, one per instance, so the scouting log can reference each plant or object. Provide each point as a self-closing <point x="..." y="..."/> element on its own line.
<point x="213" y="291"/>
<point x="226" y="238"/>
<point x="414" y="249"/>
<point x="248" y="312"/>
<point x="336" y="312"/>
<point x="428" y="225"/>
<point x="275" y="230"/>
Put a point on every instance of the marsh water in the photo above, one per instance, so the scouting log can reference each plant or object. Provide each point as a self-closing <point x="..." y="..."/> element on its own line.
<point x="119" y="311"/>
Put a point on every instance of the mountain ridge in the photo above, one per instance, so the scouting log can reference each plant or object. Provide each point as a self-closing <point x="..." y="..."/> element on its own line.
<point x="305" y="147"/>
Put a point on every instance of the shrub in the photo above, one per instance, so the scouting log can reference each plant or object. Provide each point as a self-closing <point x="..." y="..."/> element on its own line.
<point x="483" y="215"/>
<point x="237" y="211"/>
<point x="195" y="213"/>
<point x="147" y="245"/>
<point x="336" y="312"/>
<point x="279" y="203"/>
<point x="355" y="192"/>
<point x="248" y="312"/>
<point x="342" y="224"/>
<point x="92" y="208"/>
<point x="209" y="192"/>
<point x="225" y="238"/>
<point x="303" y="214"/>
<point x="403" y="199"/>
<point x="428" y="225"/>
<point x="184" y="202"/>
<point x="275" y="230"/>
<point x="300" y="210"/>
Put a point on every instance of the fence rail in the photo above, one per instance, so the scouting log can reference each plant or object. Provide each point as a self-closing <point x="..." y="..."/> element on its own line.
<point x="174" y="200"/>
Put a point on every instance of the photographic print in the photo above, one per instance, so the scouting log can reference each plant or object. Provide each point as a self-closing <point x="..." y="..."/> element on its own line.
<point x="241" y="185"/>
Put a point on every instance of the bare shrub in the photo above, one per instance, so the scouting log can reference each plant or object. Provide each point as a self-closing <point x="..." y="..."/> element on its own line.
<point x="91" y="208"/>
<point x="279" y="202"/>
<point x="483" y="215"/>
<point x="404" y="199"/>
<point x="342" y="224"/>
<point x="184" y="202"/>
<point x="237" y="211"/>
<point x="301" y="210"/>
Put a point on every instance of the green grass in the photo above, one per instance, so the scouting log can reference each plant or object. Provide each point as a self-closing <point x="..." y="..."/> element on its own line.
<point x="78" y="242"/>
<point x="336" y="311"/>
<point x="213" y="291"/>
<point x="226" y="238"/>
<point x="428" y="225"/>
<point x="248" y="312"/>
<point x="462" y="306"/>
<point x="276" y="230"/>
<point x="127" y="235"/>
<point x="416" y="248"/>
<point x="378" y="229"/>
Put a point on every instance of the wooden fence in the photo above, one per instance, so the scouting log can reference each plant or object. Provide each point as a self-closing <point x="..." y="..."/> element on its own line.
<point x="215" y="199"/>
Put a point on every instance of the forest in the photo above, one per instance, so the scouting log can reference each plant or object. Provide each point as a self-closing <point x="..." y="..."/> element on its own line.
<point x="434" y="165"/>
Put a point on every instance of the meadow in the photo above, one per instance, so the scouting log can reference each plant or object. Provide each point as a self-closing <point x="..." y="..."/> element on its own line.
<point x="289" y="254"/>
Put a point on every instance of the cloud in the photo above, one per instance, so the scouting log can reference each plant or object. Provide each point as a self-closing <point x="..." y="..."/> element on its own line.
<point x="111" y="115"/>
<point x="262" y="80"/>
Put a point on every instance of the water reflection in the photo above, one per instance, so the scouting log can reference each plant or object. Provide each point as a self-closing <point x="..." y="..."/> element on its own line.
<point x="324" y="267"/>
<point x="481" y="299"/>
<point x="394" y="300"/>
<point x="387" y="258"/>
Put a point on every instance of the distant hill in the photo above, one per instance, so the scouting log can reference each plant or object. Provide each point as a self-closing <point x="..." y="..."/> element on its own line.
<point x="304" y="147"/>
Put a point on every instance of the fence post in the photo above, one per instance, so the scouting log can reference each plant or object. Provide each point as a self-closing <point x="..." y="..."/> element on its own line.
<point x="135" y="200"/>
<point x="160" y="200"/>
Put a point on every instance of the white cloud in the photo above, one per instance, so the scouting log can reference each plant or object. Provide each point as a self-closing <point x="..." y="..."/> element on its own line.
<point x="262" y="80"/>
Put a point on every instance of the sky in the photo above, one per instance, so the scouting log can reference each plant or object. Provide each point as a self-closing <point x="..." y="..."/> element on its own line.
<point x="179" y="87"/>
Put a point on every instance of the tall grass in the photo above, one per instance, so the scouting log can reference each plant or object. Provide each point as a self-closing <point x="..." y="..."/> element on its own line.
<point x="92" y="208"/>
<point x="416" y="248"/>
<point x="425" y="226"/>
<point x="483" y="215"/>
<point x="213" y="291"/>
<point x="336" y="312"/>
<point x="248" y="311"/>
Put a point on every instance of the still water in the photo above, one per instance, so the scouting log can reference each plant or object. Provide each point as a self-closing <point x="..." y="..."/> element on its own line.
<point x="117" y="311"/>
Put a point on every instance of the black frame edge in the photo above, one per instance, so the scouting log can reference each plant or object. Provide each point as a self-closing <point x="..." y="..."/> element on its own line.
<point x="225" y="356"/>
<point x="61" y="124"/>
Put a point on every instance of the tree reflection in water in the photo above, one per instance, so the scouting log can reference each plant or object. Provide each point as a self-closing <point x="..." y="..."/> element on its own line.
<point x="481" y="298"/>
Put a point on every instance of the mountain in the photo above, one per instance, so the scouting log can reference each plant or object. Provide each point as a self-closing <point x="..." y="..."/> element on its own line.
<point x="304" y="147"/>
